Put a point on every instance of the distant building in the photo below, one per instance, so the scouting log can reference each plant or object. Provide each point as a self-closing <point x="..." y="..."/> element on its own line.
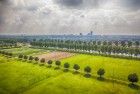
<point x="80" y="34"/>
<point x="90" y="33"/>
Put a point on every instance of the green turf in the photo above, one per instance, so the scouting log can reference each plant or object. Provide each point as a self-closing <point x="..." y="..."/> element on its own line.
<point x="115" y="68"/>
<point x="18" y="77"/>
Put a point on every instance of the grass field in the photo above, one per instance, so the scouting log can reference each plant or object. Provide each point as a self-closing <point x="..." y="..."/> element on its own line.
<point x="20" y="77"/>
<point x="115" y="67"/>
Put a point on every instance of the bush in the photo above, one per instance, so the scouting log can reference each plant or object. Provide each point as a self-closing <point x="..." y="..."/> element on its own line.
<point x="133" y="78"/>
<point x="101" y="72"/>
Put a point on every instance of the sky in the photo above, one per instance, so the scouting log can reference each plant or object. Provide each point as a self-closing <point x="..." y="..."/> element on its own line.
<point x="47" y="17"/>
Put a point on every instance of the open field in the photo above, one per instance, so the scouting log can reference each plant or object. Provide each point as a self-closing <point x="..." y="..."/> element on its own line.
<point x="22" y="77"/>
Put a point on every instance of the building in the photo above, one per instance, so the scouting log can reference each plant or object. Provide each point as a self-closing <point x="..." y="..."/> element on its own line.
<point x="90" y="33"/>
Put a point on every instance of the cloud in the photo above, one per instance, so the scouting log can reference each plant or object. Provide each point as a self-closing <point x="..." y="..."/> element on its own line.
<point x="70" y="2"/>
<point x="131" y="4"/>
<point x="80" y="4"/>
<point x="69" y="17"/>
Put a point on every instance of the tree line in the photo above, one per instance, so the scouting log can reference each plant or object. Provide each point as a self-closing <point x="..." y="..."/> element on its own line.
<point x="8" y="54"/>
<point x="129" y="48"/>
<point x="125" y="48"/>
<point x="11" y="42"/>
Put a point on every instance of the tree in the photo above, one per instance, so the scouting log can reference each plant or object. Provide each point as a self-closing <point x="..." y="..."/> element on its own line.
<point x="20" y="56"/>
<point x="105" y="43"/>
<point x="99" y="43"/>
<point x="25" y="57"/>
<point x="137" y="43"/>
<point x="42" y="60"/>
<point x="10" y="54"/>
<point x="116" y="43"/>
<point x="129" y="43"/>
<point x="87" y="69"/>
<point x="50" y="62"/>
<point x="101" y="72"/>
<point x="76" y="67"/>
<point x="5" y="53"/>
<point x="58" y="63"/>
<point x="123" y="43"/>
<point x="66" y="65"/>
<point x="31" y="58"/>
<point x="36" y="59"/>
<point x="133" y="78"/>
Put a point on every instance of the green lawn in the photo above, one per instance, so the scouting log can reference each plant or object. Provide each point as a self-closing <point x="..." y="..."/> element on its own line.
<point x="17" y="77"/>
<point x="115" y="67"/>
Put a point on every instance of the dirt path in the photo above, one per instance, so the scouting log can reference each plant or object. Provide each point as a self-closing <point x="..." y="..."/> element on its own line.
<point x="56" y="55"/>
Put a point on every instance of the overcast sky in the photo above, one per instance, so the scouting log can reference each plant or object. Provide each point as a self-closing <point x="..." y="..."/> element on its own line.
<point x="70" y="17"/>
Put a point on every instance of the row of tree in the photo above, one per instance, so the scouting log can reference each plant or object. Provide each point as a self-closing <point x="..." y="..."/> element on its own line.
<point x="131" y="77"/>
<point x="116" y="43"/>
<point x="107" y="48"/>
<point x="131" y="48"/>
<point x="8" y="42"/>
<point x="6" y="53"/>
<point x="12" y="42"/>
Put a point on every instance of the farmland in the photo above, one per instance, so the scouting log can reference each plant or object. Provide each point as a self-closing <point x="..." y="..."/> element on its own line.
<point x="22" y="77"/>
